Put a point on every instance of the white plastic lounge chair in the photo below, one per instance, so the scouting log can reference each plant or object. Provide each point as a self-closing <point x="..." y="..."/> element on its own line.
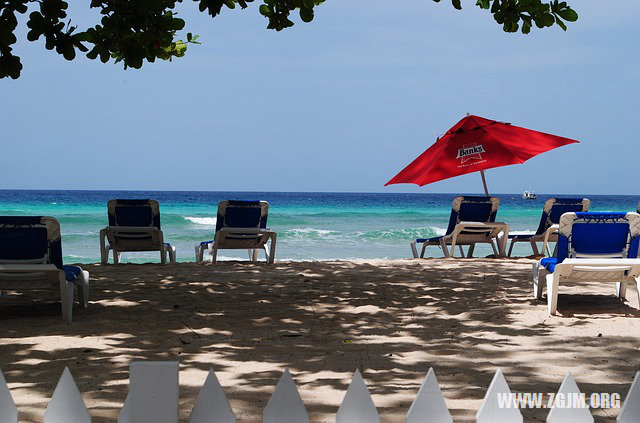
<point x="592" y="247"/>
<point x="472" y="222"/>
<point x="548" y="227"/>
<point x="241" y="225"/>
<point x="31" y="258"/>
<point x="134" y="225"/>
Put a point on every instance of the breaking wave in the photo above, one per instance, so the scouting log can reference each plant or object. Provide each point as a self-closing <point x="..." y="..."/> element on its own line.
<point x="404" y="233"/>
<point x="207" y="221"/>
<point x="309" y="233"/>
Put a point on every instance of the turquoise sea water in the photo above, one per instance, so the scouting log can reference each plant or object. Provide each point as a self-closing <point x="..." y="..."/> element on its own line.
<point x="310" y="226"/>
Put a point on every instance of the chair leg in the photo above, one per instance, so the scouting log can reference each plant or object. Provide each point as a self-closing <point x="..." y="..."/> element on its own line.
<point x="163" y="255"/>
<point x="214" y="254"/>
<point x="254" y="255"/>
<point x="537" y="285"/>
<point x="414" y="250"/>
<point x="495" y="251"/>
<point x="461" y="250"/>
<point x="471" y="250"/>
<point x="621" y="290"/>
<point x="443" y="245"/>
<point x="513" y="241"/>
<point x="272" y="252"/>
<point x="534" y="248"/>
<point x="424" y="248"/>
<point x="553" y="281"/>
<point x="116" y="256"/>
<point x="638" y="290"/>
<point x="66" y="297"/>
<point x="198" y="259"/>
<point x="83" y="289"/>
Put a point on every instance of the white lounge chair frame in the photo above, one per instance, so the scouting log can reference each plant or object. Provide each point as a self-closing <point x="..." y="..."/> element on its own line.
<point x="18" y="275"/>
<point x="240" y="239"/>
<point x="593" y="268"/>
<point x="470" y="233"/>
<point x="113" y="233"/>
<point x="133" y="232"/>
<point x="550" y="235"/>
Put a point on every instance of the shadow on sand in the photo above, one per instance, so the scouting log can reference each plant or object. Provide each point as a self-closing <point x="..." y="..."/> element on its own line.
<point x="393" y="320"/>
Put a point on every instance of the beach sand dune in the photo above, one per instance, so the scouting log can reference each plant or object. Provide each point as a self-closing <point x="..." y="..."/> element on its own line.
<point x="391" y="319"/>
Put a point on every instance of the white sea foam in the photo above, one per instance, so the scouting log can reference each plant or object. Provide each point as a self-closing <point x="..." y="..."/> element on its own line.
<point x="309" y="233"/>
<point x="521" y="232"/>
<point x="208" y="221"/>
<point x="438" y="231"/>
<point x="82" y="233"/>
<point x="402" y="233"/>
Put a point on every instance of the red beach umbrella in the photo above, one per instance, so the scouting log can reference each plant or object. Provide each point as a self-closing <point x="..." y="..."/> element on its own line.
<point x="473" y="145"/>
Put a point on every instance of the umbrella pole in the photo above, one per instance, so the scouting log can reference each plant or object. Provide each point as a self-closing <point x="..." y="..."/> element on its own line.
<point x="484" y="183"/>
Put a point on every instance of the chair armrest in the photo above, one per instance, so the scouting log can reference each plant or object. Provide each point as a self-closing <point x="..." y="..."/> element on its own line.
<point x="136" y="229"/>
<point x="222" y="233"/>
<point x="602" y="261"/>
<point x="551" y="230"/>
<point x="600" y="265"/>
<point x="110" y="232"/>
<point x="27" y="268"/>
<point x="494" y="227"/>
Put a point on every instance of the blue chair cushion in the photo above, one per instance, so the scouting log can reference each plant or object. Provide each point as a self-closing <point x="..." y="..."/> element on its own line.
<point x="206" y="242"/>
<point x="134" y="213"/>
<point x="71" y="272"/>
<point x="166" y="244"/>
<point x="22" y="243"/>
<point x="549" y="263"/>
<point x="433" y="239"/>
<point x="521" y="236"/>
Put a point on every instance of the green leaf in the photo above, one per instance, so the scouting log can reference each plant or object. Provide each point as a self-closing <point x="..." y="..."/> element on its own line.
<point x="264" y="10"/>
<point x="495" y="7"/>
<point x="568" y="14"/>
<point x="306" y="15"/>
<point x="177" y="24"/>
<point x="483" y="4"/>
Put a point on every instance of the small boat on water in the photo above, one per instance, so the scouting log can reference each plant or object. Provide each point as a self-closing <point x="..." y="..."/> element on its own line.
<point x="529" y="195"/>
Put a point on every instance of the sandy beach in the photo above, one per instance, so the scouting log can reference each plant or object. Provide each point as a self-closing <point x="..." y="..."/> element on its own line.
<point x="391" y="319"/>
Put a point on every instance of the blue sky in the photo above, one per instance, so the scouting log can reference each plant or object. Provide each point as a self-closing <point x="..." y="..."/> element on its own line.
<point x="341" y="104"/>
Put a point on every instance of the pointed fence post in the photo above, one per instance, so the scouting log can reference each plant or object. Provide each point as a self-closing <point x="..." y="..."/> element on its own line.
<point x="212" y="405"/>
<point x="153" y="393"/>
<point x="429" y="404"/>
<point x="357" y="405"/>
<point x="8" y="410"/>
<point x="569" y="405"/>
<point x="285" y="405"/>
<point x="66" y="403"/>
<point x="497" y="406"/>
<point x="630" y="412"/>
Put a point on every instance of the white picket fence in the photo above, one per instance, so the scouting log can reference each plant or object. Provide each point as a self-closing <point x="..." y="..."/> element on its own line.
<point x="153" y="398"/>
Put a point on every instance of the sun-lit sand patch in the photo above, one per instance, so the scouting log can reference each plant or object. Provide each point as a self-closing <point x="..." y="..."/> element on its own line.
<point x="323" y="320"/>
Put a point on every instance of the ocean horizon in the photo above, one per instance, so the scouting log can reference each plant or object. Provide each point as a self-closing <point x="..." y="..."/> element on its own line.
<point x="310" y="225"/>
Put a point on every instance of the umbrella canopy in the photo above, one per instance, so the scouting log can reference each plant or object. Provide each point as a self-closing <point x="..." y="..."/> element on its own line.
<point x="475" y="144"/>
